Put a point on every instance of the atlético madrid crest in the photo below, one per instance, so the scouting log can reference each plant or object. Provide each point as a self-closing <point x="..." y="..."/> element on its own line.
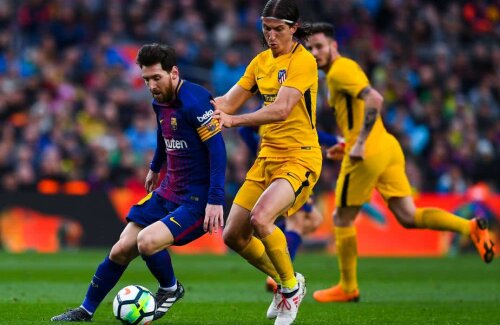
<point x="281" y="76"/>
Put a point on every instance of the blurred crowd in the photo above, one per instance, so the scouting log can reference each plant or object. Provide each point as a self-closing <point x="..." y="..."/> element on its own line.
<point x="73" y="107"/>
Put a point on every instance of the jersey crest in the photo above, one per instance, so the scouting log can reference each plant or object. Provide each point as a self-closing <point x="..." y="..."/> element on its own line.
<point x="173" y="123"/>
<point x="281" y="76"/>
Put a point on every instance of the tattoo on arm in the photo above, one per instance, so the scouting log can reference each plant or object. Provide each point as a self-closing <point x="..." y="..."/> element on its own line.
<point x="370" y="115"/>
<point x="370" y="118"/>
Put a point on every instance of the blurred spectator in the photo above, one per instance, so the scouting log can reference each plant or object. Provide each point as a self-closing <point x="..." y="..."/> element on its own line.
<point x="72" y="106"/>
<point x="141" y="134"/>
<point x="227" y="71"/>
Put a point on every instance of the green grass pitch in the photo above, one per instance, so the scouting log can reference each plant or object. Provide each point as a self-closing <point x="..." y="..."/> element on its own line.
<point x="226" y="290"/>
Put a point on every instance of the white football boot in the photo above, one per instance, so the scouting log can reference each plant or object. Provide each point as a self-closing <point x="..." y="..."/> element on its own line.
<point x="285" y="309"/>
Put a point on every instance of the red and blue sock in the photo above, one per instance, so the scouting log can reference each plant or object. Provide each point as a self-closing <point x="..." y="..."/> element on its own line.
<point x="160" y="265"/>
<point x="105" y="278"/>
<point x="293" y="240"/>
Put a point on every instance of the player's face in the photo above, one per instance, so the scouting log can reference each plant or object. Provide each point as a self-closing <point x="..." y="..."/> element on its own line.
<point x="160" y="83"/>
<point x="278" y="35"/>
<point x="323" y="48"/>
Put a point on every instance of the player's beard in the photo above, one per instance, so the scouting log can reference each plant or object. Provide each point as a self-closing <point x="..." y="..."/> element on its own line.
<point x="167" y="95"/>
<point x="328" y="61"/>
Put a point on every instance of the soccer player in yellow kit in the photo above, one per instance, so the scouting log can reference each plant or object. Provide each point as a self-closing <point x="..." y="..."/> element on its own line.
<point x="373" y="159"/>
<point x="289" y="160"/>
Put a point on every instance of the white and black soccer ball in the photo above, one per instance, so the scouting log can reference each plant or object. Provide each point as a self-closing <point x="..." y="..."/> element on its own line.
<point x="134" y="304"/>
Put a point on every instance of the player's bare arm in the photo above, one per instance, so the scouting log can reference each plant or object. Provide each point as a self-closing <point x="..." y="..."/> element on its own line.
<point x="214" y="218"/>
<point x="373" y="106"/>
<point x="151" y="181"/>
<point x="232" y="100"/>
<point x="278" y="111"/>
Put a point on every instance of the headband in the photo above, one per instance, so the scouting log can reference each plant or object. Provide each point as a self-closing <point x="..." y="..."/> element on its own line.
<point x="284" y="20"/>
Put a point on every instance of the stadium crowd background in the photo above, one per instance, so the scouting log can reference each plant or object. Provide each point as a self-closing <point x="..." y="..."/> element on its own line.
<point x="73" y="106"/>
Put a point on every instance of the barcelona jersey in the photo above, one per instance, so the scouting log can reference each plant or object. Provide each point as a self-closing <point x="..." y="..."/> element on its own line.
<point x="190" y="142"/>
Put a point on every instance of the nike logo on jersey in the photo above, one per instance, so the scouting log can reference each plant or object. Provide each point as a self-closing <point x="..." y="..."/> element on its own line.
<point x="258" y="78"/>
<point x="175" y="221"/>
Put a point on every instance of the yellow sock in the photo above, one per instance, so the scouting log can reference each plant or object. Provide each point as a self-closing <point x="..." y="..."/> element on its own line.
<point x="437" y="219"/>
<point x="347" y="256"/>
<point x="277" y="251"/>
<point x="255" y="254"/>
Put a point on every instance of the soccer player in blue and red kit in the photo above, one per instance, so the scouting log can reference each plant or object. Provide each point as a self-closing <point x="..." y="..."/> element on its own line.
<point x="189" y="201"/>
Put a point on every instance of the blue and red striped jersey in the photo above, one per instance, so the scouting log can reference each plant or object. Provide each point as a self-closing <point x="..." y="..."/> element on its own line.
<point x="191" y="143"/>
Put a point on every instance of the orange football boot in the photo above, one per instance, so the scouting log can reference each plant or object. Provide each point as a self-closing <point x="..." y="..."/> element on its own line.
<point x="481" y="238"/>
<point x="271" y="285"/>
<point x="336" y="294"/>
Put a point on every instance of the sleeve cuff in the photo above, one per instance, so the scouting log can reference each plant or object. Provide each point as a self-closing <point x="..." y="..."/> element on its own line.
<point x="155" y="167"/>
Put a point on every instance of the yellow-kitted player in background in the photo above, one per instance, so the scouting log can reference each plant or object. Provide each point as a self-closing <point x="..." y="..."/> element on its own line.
<point x="373" y="159"/>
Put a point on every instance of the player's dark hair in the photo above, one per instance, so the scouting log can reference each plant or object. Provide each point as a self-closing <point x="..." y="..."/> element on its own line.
<point x="151" y="54"/>
<point x="322" y="27"/>
<point x="287" y="9"/>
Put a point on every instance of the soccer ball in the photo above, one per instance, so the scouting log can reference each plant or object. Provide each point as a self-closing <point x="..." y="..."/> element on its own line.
<point x="134" y="304"/>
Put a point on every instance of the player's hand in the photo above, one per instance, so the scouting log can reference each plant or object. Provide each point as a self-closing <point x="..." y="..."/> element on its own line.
<point x="357" y="152"/>
<point x="223" y="118"/>
<point x="220" y="104"/>
<point x="214" y="218"/>
<point x="151" y="181"/>
<point x="336" y="152"/>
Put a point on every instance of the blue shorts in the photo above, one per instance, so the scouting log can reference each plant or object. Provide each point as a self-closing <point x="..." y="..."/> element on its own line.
<point x="184" y="222"/>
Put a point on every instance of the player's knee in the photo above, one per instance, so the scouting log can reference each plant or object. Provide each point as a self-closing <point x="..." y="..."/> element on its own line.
<point x="407" y="223"/>
<point x="405" y="218"/>
<point x="259" y="219"/>
<point x="341" y="220"/>
<point x="146" y="244"/>
<point x="316" y="219"/>
<point x="121" y="253"/>
<point x="256" y="221"/>
<point x="316" y="224"/>
<point x="312" y="224"/>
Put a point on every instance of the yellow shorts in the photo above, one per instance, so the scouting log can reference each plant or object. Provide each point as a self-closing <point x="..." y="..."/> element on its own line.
<point x="383" y="169"/>
<point x="301" y="174"/>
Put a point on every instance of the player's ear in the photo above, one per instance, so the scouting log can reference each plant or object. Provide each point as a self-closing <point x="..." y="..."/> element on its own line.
<point x="335" y="45"/>
<point x="174" y="73"/>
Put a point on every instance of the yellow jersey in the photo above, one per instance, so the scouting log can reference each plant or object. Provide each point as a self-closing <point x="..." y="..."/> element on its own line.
<point x="267" y="74"/>
<point x="345" y="81"/>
